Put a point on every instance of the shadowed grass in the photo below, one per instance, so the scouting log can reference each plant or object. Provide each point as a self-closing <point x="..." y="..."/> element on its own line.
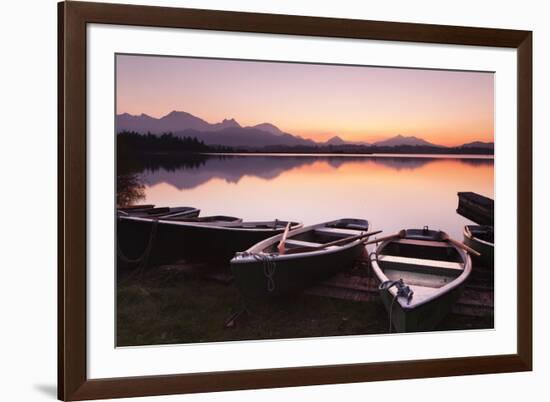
<point x="167" y="307"/>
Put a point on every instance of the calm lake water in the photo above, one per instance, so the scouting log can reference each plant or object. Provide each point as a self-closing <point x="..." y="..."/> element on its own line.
<point x="392" y="192"/>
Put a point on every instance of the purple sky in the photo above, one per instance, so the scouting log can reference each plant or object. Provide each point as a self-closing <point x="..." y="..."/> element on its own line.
<point x="312" y="100"/>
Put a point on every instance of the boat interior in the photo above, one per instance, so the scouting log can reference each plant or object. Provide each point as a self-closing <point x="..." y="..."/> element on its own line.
<point x="167" y="210"/>
<point x="157" y="212"/>
<point x="137" y="207"/>
<point x="205" y="219"/>
<point x="273" y="225"/>
<point x="485" y="233"/>
<point x="320" y="235"/>
<point x="423" y="264"/>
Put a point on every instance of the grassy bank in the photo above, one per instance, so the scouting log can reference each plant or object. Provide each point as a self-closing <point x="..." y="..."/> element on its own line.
<point x="166" y="306"/>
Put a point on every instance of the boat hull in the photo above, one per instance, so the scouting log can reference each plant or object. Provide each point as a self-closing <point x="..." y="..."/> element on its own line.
<point x="487" y="250"/>
<point x="423" y="262"/>
<point x="476" y="207"/>
<point x="160" y="212"/>
<point x="291" y="274"/>
<point x="422" y="318"/>
<point x="173" y="241"/>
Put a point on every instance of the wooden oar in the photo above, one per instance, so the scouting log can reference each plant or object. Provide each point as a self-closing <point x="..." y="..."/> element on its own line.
<point x="445" y="236"/>
<point x="332" y="243"/>
<point x="398" y="235"/>
<point x="281" y="246"/>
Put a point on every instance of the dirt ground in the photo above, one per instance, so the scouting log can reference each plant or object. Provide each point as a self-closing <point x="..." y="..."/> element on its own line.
<point x="167" y="306"/>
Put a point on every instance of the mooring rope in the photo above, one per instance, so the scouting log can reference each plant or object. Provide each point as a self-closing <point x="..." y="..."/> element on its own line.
<point x="402" y="291"/>
<point x="142" y="260"/>
<point x="269" y="268"/>
<point x="268" y="264"/>
<point x="391" y="313"/>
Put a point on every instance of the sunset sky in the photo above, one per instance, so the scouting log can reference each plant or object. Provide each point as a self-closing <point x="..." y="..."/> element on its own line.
<point x="313" y="100"/>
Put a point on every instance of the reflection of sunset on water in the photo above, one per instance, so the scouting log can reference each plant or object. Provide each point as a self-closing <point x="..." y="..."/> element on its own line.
<point x="391" y="192"/>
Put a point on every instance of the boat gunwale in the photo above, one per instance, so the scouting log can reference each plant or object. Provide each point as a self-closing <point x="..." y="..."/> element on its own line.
<point x="470" y="236"/>
<point x="455" y="283"/>
<point x="228" y="226"/>
<point x="258" y="248"/>
<point x="143" y="213"/>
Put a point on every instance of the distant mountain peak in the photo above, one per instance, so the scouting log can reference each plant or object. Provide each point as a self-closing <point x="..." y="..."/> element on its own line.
<point x="270" y="128"/>
<point x="479" y="144"/>
<point x="178" y="113"/>
<point x="267" y="125"/>
<point x="230" y="133"/>
<point x="401" y="140"/>
<point x="336" y="140"/>
<point x="226" y="123"/>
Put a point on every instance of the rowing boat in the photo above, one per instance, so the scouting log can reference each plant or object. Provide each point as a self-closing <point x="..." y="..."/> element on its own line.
<point x="482" y="239"/>
<point x="421" y="276"/>
<point x="160" y="212"/>
<point x="218" y="219"/>
<point x="162" y="241"/>
<point x="131" y="208"/>
<point x="310" y="254"/>
<point x="476" y="207"/>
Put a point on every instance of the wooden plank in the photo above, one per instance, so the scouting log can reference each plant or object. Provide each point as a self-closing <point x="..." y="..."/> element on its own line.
<point x="355" y="282"/>
<point x="426" y="243"/>
<point x="423" y="279"/>
<point x="301" y="243"/>
<point x="339" y="232"/>
<point x="454" y="266"/>
<point x="343" y="294"/>
<point x="474" y="302"/>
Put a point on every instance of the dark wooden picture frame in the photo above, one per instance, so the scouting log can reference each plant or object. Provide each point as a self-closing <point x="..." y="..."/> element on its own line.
<point x="73" y="383"/>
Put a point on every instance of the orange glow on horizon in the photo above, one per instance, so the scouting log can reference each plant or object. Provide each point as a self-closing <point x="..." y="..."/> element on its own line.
<point x="314" y="101"/>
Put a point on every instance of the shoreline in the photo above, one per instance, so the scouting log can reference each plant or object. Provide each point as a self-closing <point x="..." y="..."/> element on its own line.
<point x="188" y="303"/>
<point x="350" y="155"/>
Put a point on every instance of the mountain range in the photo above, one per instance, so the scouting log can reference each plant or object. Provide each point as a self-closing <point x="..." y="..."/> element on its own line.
<point x="230" y="133"/>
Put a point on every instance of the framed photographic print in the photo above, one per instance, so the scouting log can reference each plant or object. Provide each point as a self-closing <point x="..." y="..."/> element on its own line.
<point x="252" y="200"/>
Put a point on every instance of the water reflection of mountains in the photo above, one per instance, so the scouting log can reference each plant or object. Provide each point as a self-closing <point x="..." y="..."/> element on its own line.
<point x="190" y="172"/>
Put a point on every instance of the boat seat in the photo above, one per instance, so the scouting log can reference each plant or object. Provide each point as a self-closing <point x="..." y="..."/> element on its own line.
<point x="301" y="243"/>
<point x="433" y="265"/>
<point x="337" y="232"/>
<point x="426" y="243"/>
<point x="425" y="279"/>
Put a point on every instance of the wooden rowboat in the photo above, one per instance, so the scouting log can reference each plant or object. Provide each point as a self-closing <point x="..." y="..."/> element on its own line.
<point x="162" y="241"/>
<point x="482" y="239"/>
<point x="160" y="212"/>
<point x="421" y="276"/>
<point x="476" y="207"/>
<point x="131" y="208"/>
<point x="263" y="271"/>
<point x="218" y="219"/>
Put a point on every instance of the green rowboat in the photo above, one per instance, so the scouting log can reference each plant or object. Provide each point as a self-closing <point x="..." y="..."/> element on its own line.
<point x="263" y="271"/>
<point x="421" y="276"/>
<point x="482" y="239"/>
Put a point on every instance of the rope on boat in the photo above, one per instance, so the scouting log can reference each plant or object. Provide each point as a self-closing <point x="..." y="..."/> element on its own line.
<point x="269" y="267"/>
<point x="402" y="291"/>
<point x="142" y="260"/>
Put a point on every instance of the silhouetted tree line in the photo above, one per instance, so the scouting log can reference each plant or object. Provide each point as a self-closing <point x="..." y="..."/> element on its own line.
<point x="136" y="152"/>
<point x="131" y="141"/>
